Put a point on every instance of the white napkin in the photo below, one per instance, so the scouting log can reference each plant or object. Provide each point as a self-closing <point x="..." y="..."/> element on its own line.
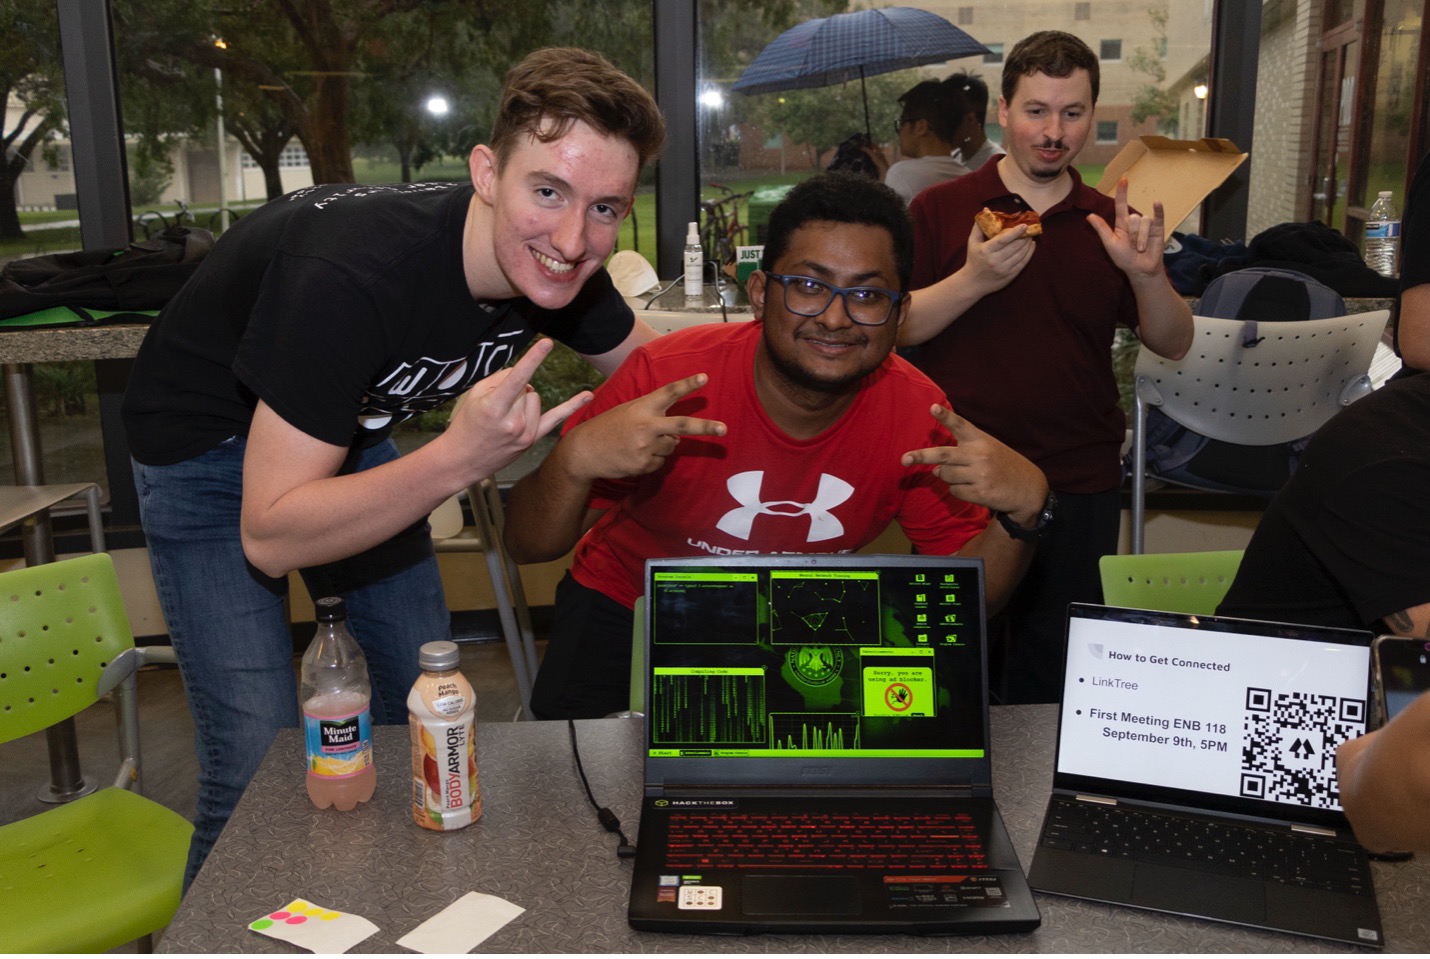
<point x="462" y="926"/>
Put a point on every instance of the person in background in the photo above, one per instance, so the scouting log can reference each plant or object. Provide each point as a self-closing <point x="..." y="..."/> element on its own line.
<point x="260" y="408"/>
<point x="1384" y="779"/>
<point x="1412" y="324"/>
<point x="926" y="126"/>
<point x="1018" y="331"/>
<point x="798" y="432"/>
<point x="972" y="147"/>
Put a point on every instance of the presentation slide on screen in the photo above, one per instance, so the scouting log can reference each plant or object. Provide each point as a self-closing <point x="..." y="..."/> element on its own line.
<point x="1209" y="711"/>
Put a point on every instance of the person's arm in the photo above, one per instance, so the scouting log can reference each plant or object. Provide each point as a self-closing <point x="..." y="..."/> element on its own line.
<point x="1384" y="779"/>
<point x="989" y="266"/>
<point x="298" y="512"/>
<point x="546" y="511"/>
<point x="641" y="333"/>
<point x="1135" y="242"/>
<point x="1412" y="326"/>
<point x="983" y="471"/>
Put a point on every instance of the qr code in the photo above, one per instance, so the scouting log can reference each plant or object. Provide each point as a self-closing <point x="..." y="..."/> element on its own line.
<point x="1288" y="746"/>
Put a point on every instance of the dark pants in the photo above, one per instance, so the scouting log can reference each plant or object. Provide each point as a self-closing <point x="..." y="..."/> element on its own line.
<point x="586" y="670"/>
<point x="1026" y="640"/>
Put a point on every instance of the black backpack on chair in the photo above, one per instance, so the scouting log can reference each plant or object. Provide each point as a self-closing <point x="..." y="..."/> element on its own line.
<point x="1182" y="456"/>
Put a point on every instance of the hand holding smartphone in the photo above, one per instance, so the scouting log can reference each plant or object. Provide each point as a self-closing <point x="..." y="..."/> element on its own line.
<point x="1401" y="666"/>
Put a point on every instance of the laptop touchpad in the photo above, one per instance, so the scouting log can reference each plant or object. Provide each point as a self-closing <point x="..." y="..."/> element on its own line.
<point x="1197" y="893"/>
<point x="800" y="896"/>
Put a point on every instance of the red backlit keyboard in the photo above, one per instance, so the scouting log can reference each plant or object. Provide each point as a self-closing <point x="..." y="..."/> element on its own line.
<point x="922" y="843"/>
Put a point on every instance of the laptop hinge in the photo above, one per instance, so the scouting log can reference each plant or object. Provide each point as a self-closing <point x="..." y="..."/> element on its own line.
<point x="686" y="790"/>
<point x="1104" y="800"/>
<point x="1313" y="830"/>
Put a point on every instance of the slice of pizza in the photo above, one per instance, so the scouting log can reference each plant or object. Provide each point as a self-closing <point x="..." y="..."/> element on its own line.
<point x="993" y="223"/>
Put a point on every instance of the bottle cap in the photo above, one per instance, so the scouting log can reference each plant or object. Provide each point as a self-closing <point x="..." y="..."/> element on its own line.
<point x="331" y="609"/>
<point x="438" y="656"/>
<point x="692" y="234"/>
<point x="1387" y="193"/>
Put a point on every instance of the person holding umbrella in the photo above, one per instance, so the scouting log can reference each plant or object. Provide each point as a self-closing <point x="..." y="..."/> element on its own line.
<point x="927" y="126"/>
<point x="1018" y="331"/>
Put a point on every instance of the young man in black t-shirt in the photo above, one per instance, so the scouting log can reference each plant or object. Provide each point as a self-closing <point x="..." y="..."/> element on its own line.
<point x="262" y="400"/>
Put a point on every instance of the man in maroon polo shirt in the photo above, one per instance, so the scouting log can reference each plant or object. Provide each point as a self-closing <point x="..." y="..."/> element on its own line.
<point x="1018" y="331"/>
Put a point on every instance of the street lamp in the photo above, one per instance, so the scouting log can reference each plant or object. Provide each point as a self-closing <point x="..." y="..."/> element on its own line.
<point x="438" y="106"/>
<point x="222" y="151"/>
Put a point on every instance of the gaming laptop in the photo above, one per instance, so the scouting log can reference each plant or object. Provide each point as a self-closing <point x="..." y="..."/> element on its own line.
<point x="817" y="754"/>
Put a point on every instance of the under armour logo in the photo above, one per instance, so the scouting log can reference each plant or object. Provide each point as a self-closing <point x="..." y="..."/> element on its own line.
<point x="745" y="488"/>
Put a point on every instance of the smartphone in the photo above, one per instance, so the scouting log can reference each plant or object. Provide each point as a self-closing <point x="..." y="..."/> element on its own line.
<point x="1402" y="672"/>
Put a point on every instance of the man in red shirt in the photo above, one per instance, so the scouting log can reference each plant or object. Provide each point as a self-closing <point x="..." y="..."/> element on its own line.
<point x="1018" y="331"/>
<point x="799" y="432"/>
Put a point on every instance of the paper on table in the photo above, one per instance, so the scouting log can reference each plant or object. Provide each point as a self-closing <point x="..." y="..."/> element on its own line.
<point x="313" y="927"/>
<point x="462" y="926"/>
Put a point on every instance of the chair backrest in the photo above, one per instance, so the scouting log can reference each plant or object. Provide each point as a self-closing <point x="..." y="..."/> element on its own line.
<point x="1297" y="376"/>
<point x="61" y="624"/>
<point x="1173" y="582"/>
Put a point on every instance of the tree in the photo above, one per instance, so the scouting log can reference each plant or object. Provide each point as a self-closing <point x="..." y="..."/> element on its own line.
<point x="304" y="55"/>
<point x="1151" y="101"/>
<point x="31" y="73"/>
<point x="820" y="117"/>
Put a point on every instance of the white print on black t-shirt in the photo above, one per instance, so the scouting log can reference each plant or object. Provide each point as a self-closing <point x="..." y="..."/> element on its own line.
<point x="746" y="489"/>
<point x="415" y="387"/>
<point x="369" y="190"/>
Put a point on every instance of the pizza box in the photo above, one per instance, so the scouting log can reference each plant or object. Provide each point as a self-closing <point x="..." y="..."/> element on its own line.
<point x="1180" y="173"/>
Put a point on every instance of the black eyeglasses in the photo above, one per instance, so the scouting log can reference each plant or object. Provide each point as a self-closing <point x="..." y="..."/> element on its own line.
<point x="899" y="123"/>
<point x="866" y="305"/>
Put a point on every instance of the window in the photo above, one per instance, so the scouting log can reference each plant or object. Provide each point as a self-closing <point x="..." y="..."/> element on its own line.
<point x="293" y="155"/>
<point x="1106" y="131"/>
<point x="965" y="16"/>
<point x="59" y="161"/>
<point x="994" y="54"/>
<point x="1110" y="50"/>
<point x="1082" y="11"/>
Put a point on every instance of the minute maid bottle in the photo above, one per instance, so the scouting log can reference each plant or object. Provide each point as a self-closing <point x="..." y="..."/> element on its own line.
<point x="441" y="712"/>
<point x="335" y="694"/>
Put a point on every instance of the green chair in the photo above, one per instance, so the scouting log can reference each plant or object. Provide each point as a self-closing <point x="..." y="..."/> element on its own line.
<point x="1174" y="582"/>
<point x="107" y="869"/>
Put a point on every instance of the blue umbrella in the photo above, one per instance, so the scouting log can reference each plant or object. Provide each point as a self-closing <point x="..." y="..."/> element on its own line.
<point x="862" y="44"/>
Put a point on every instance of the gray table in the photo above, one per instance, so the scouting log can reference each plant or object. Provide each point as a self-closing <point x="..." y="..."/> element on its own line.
<point x="538" y="844"/>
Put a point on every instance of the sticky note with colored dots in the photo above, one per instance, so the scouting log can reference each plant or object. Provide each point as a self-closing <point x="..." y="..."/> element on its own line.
<point x="313" y="927"/>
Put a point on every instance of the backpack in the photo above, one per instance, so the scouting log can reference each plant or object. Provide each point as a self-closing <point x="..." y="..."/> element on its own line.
<point x="143" y="276"/>
<point x="1182" y="456"/>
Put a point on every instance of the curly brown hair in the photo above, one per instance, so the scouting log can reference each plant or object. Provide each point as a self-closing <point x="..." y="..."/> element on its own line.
<point x="552" y="88"/>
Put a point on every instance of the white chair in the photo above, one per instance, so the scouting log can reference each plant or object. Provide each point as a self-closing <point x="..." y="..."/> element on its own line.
<point x="450" y="534"/>
<point x="1296" y="377"/>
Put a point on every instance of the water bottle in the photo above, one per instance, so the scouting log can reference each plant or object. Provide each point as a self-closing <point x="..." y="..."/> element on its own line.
<point x="441" y="715"/>
<point x="335" y="695"/>
<point x="1382" y="235"/>
<point x="694" y="262"/>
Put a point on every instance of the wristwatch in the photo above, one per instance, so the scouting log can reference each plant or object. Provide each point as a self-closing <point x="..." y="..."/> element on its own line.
<point x="1029" y="534"/>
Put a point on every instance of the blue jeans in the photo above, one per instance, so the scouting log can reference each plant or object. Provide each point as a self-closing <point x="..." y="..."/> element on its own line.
<point x="228" y="622"/>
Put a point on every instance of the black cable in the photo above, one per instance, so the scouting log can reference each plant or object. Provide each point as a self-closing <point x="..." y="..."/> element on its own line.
<point x="608" y="819"/>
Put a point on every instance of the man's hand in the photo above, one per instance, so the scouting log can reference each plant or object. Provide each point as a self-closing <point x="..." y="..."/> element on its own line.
<point x="993" y="264"/>
<point x="983" y="471"/>
<point x="876" y="156"/>
<point x="1134" y="242"/>
<point x="500" y="416"/>
<point x="634" y="438"/>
